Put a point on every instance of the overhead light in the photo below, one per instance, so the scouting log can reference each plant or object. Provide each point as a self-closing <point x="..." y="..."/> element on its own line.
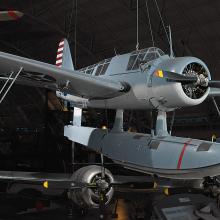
<point x="104" y="127"/>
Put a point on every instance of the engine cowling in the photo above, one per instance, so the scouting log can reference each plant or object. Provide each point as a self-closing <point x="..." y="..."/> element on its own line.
<point x="87" y="197"/>
<point x="170" y="95"/>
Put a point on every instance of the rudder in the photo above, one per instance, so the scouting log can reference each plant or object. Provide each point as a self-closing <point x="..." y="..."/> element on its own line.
<point x="64" y="58"/>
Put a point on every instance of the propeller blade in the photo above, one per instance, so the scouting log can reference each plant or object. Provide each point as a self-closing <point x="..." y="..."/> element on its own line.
<point x="186" y="79"/>
<point x="103" y="167"/>
<point x="214" y="83"/>
<point x="175" y="77"/>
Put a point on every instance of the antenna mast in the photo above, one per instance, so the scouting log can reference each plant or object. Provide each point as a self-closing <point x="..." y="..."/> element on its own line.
<point x="171" y="42"/>
<point x="137" y="45"/>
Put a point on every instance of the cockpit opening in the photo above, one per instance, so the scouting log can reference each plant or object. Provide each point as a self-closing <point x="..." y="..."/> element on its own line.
<point x="145" y="55"/>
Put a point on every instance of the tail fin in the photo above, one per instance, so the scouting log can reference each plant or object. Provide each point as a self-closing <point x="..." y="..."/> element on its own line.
<point x="64" y="58"/>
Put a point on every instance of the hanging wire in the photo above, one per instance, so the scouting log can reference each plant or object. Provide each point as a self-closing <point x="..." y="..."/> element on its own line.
<point x="137" y="45"/>
<point x="75" y="36"/>
<point x="158" y="9"/>
<point x="70" y="21"/>
<point x="150" y="26"/>
<point x="75" y="27"/>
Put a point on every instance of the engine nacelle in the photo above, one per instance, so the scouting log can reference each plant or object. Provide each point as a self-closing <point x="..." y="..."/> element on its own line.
<point x="170" y="95"/>
<point x="87" y="197"/>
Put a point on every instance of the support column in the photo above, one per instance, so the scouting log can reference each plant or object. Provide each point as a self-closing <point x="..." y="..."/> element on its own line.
<point x="77" y="120"/>
<point x="77" y="116"/>
<point x="118" y="124"/>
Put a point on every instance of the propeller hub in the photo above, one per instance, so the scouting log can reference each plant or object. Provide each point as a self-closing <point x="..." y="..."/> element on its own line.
<point x="198" y="89"/>
<point x="102" y="184"/>
<point x="202" y="81"/>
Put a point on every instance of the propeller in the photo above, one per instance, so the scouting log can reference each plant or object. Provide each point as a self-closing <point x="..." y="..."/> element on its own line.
<point x="193" y="78"/>
<point x="102" y="186"/>
<point x="199" y="80"/>
<point x="214" y="83"/>
<point x="175" y="77"/>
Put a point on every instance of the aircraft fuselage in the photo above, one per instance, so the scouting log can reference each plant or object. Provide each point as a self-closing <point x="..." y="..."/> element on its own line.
<point x="146" y="91"/>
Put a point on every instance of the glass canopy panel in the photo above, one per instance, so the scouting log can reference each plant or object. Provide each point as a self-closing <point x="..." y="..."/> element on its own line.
<point x="102" y="67"/>
<point x="145" y="55"/>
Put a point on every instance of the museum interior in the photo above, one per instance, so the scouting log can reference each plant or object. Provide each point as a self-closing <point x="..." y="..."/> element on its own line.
<point x="34" y="149"/>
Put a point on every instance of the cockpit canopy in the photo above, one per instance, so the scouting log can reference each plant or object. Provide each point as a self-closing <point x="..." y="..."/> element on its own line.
<point x="100" y="68"/>
<point x="133" y="63"/>
<point x="145" y="55"/>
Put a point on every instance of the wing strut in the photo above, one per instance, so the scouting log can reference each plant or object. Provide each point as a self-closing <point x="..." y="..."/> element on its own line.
<point x="118" y="124"/>
<point x="161" y="124"/>
<point x="216" y="106"/>
<point x="77" y="121"/>
<point x="8" y="84"/>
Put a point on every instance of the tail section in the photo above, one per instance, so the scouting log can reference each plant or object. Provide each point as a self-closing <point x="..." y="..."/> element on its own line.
<point x="64" y="58"/>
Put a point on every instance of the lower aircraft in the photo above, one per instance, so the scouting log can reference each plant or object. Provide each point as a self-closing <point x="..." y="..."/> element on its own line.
<point x="143" y="79"/>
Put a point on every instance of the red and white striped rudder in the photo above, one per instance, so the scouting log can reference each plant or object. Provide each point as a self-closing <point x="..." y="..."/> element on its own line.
<point x="59" y="58"/>
<point x="64" y="58"/>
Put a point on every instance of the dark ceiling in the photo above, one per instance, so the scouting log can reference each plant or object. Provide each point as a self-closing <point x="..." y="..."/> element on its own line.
<point x="103" y="27"/>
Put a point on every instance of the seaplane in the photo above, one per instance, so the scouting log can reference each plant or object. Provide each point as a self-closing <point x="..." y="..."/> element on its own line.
<point x="146" y="79"/>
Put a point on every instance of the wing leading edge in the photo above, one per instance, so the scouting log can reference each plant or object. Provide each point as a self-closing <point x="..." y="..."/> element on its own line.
<point x="39" y="74"/>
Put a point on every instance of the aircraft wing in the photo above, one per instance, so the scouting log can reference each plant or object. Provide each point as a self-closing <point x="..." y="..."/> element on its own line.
<point x="39" y="74"/>
<point x="64" y="180"/>
<point x="33" y="176"/>
<point x="42" y="176"/>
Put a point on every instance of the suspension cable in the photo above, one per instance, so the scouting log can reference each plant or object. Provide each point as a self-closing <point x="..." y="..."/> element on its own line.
<point x="137" y="45"/>
<point x="75" y="33"/>
<point x="70" y="21"/>
<point x="75" y="28"/>
<point x="158" y="9"/>
<point x="150" y="26"/>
